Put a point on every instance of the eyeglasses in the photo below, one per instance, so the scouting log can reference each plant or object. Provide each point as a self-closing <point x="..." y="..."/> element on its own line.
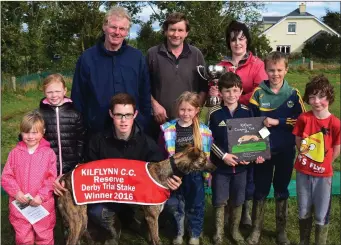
<point x="120" y="116"/>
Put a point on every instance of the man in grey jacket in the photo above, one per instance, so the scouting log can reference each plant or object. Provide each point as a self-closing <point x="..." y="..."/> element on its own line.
<point x="173" y="70"/>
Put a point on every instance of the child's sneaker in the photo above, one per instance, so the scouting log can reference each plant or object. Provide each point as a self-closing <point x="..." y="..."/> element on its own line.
<point x="194" y="241"/>
<point x="178" y="240"/>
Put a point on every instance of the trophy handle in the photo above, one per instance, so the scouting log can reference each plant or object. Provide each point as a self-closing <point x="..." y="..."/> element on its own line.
<point x="198" y="70"/>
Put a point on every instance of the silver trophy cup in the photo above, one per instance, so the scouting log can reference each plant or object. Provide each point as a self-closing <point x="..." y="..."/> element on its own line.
<point x="211" y="73"/>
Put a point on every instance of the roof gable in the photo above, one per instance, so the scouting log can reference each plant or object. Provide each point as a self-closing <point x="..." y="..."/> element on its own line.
<point x="271" y="19"/>
<point x="297" y="13"/>
<point x="315" y="36"/>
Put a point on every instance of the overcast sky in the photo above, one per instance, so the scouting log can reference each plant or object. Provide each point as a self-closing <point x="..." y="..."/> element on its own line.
<point x="271" y="9"/>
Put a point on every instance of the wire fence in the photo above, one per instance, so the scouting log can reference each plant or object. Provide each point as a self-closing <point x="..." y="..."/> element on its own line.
<point x="26" y="80"/>
<point x="294" y="62"/>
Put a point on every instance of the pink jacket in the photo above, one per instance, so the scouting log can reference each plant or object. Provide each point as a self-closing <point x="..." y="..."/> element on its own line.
<point x="252" y="73"/>
<point x="30" y="173"/>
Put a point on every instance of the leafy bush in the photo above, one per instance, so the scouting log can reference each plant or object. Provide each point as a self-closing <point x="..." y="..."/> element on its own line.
<point x="326" y="46"/>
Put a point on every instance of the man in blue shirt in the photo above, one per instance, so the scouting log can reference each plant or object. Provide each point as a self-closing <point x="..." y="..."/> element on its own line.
<point x="108" y="68"/>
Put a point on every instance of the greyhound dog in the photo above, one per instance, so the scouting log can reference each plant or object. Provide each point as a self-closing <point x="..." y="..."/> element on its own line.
<point x="75" y="216"/>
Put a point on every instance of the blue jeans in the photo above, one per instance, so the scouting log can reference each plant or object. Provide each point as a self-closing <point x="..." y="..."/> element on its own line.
<point x="188" y="200"/>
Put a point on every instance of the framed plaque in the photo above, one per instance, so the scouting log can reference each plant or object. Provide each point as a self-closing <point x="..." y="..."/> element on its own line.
<point x="247" y="138"/>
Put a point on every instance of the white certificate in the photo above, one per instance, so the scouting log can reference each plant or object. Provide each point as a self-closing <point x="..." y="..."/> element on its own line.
<point x="32" y="214"/>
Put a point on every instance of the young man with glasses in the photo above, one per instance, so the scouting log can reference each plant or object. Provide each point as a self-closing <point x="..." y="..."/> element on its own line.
<point x="126" y="140"/>
<point x="108" y="68"/>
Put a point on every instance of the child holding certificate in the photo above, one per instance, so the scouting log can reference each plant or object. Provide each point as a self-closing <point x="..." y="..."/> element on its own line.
<point x="31" y="170"/>
<point x="230" y="178"/>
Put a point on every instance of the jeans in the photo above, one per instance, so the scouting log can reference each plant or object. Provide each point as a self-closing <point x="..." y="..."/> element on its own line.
<point x="188" y="201"/>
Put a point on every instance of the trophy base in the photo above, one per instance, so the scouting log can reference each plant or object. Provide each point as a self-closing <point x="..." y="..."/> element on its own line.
<point x="212" y="101"/>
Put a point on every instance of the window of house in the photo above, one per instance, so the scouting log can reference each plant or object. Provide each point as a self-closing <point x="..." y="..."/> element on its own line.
<point x="292" y="27"/>
<point x="287" y="49"/>
<point x="283" y="48"/>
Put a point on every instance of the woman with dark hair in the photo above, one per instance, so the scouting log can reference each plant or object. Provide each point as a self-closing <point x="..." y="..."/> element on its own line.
<point x="242" y="62"/>
<point x="251" y="71"/>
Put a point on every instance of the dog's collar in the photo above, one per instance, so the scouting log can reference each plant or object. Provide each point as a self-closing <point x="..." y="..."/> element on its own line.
<point x="175" y="169"/>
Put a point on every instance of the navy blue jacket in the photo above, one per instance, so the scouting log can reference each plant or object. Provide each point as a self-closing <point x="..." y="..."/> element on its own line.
<point x="285" y="106"/>
<point x="100" y="74"/>
<point x="217" y="124"/>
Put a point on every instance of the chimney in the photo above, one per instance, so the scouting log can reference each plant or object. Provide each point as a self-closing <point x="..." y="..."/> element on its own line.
<point x="302" y="8"/>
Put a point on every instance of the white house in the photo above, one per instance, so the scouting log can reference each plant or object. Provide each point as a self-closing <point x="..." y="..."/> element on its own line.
<point x="289" y="33"/>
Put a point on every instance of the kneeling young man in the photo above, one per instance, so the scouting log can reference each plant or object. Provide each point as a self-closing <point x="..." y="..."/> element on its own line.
<point x="126" y="140"/>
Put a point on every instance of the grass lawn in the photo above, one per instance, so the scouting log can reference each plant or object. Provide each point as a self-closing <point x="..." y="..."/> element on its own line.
<point x="14" y="105"/>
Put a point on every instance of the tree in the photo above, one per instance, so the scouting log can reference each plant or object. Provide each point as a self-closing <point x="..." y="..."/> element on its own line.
<point x="260" y="46"/>
<point x="326" y="46"/>
<point x="208" y="21"/>
<point x="50" y="36"/>
<point x="147" y="37"/>
<point x="12" y="41"/>
<point x="333" y="20"/>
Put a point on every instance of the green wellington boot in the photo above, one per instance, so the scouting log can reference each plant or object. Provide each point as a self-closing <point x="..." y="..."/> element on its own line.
<point x="236" y="214"/>
<point x="246" y="218"/>
<point x="321" y="234"/>
<point x="257" y="222"/>
<point x="281" y="222"/>
<point x="219" y="225"/>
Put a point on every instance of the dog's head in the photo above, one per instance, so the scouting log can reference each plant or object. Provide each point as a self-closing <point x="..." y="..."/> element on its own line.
<point x="192" y="159"/>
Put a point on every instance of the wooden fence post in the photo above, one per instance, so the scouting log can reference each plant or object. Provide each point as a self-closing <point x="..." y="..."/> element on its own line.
<point x="13" y="84"/>
<point x="311" y="65"/>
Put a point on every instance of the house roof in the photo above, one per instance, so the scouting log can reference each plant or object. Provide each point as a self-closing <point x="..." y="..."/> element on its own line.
<point x="296" y="13"/>
<point x="271" y="19"/>
<point x="315" y="36"/>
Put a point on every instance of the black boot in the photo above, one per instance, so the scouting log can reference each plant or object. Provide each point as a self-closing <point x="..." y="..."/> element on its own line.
<point x="305" y="230"/>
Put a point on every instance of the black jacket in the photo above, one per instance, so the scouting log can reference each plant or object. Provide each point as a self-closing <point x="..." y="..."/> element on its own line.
<point x="71" y="130"/>
<point x="139" y="146"/>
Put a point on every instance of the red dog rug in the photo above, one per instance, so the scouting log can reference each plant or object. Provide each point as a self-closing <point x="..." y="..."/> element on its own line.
<point x="116" y="180"/>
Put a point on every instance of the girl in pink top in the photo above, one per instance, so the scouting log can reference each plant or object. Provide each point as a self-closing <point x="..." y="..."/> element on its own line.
<point x="31" y="168"/>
